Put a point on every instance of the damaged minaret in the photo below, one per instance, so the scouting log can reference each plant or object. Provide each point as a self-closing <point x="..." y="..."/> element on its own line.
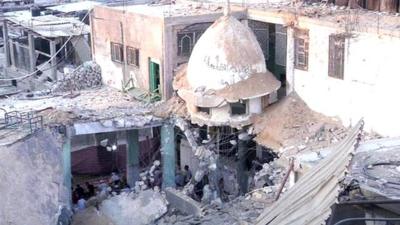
<point x="224" y="84"/>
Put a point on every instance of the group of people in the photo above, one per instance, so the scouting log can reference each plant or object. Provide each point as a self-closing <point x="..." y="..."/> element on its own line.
<point x="80" y="195"/>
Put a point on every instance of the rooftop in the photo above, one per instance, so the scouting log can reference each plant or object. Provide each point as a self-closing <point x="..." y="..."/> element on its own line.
<point x="358" y="20"/>
<point x="75" y="6"/>
<point x="173" y="10"/>
<point x="103" y="108"/>
<point x="49" y="26"/>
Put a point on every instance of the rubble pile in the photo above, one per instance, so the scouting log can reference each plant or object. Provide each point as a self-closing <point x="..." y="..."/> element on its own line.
<point x="87" y="75"/>
<point x="270" y="174"/>
<point x="131" y="208"/>
<point x="173" y="107"/>
<point x="236" y="212"/>
<point x="150" y="177"/>
<point x="290" y="126"/>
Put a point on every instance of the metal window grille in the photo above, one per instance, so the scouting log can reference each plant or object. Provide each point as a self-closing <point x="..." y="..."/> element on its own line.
<point x="301" y="49"/>
<point x="185" y="44"/>
<point x="117" y="52"/>
<point x="132" y="56"/>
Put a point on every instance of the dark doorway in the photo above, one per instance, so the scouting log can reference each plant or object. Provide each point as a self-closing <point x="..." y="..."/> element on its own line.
<point x="273" y="41"/>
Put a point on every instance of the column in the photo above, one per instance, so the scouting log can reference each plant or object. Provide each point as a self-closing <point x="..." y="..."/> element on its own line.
<point x="241" y="170"/>
<point x="53" y="60"/>
<point x="168" y="155"/>
<point x="132" y="167"/>
<point x="32" y="58"/>
<point x="12" y="52"/>
<point x="67" y="167"/>
<point x="6" y="44"/>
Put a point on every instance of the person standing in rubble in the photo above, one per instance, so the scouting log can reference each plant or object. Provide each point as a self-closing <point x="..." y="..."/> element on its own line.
<point x="187" y="174"/>
<point x="115" y="179"/>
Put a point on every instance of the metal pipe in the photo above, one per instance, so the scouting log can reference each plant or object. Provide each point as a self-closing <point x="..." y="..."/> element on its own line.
<point x="367" y="219"/>
<point x="285" y="179"/>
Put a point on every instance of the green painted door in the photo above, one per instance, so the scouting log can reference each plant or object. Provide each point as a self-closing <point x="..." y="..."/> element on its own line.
<point x="154" y="77"/>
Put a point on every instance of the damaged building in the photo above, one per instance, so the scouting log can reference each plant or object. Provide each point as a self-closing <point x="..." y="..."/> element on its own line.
<point x="264" y="112"/>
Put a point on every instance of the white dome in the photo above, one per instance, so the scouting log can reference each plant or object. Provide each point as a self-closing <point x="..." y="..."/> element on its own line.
<point x="227" y="52"/>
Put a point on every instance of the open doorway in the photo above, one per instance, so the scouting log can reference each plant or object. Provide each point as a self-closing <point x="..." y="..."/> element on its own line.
<point x="273" y="41"/>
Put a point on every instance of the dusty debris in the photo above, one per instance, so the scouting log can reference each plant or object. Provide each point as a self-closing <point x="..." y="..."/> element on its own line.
<point x="91" y="216"/>
<point x="95" y="104"/>
<point x="143" y="208"/>
<point x="174" y="106"/>
<point x="241" y="210"/>
<point x="182" y="202"/>
<point x="290" y="126"/>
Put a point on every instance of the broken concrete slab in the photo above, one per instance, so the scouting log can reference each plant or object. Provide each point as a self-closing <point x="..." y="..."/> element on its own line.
<point x="139" y="209"/>
<point x="182" y="202"/>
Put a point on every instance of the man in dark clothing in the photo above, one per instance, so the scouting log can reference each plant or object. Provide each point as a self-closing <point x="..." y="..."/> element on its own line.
<point x="80" y="191"/>
<point x="91" y="190"/>
<point x="187" y="174"/>
<point x="198" y="188"/>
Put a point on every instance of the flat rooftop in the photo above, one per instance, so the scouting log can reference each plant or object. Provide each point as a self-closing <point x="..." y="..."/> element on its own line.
<point x="359" y="20"/>
<point x="173" y="10"/>
<point x="75" y="6"/>
<point x="49" y="26"/>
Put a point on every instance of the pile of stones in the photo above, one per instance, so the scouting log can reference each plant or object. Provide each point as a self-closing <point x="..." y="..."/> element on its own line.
<point x="87" y="75"/>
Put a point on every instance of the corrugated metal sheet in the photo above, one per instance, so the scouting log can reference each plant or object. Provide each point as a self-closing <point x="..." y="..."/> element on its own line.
<point x="309" y="201"/>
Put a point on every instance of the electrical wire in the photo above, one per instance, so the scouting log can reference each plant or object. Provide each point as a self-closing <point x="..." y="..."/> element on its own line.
<point x="51" y="58"/>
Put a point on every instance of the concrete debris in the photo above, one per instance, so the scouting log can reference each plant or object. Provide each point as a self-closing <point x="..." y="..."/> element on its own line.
<point x="91" y="216"/>
<point x="182" y="202"/>
<point x="173" y="107"/>
<point x="271" y="174"/>
<point x="130" y="208"/>
<point x="97" y="104"/>
<point x="242" y="210"/>
<point x="88" y="75"/>
<point x="150" y="178"/>
<point x="207" y="157"/>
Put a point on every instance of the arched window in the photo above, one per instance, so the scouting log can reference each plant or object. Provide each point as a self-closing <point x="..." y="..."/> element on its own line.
<point x="185" y="44"/>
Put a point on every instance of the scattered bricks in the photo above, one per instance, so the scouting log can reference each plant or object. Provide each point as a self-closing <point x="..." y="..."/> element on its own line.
<point x="183" y="202"/>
